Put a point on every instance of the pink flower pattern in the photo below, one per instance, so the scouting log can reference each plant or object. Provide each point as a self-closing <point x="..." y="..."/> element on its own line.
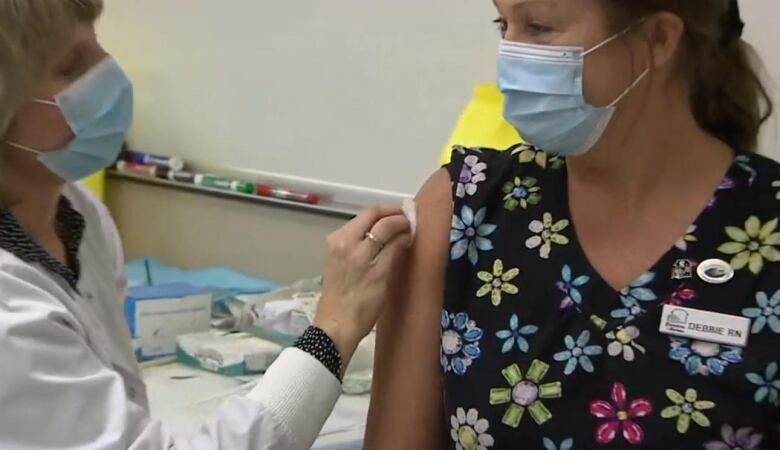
<point x="635" y="399"/>
<point x="620" y="418"/>
<point x="681" y="296"/>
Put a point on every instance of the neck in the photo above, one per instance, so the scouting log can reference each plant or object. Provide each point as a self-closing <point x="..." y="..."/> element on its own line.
<point x="30" y="191"/>
<point x="650" y="144"/>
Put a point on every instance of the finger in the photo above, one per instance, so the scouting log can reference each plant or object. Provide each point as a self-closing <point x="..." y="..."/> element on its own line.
<point x="392" y="254"/>
<point x="388" y="228"/>
<point x="385" y="231"/>
<point x="356" y="229"/>
<point x="343" y="241"/>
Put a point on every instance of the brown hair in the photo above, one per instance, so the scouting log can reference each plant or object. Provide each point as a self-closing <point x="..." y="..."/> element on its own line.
<point x="728" y="98"/>
<point x="31" y="33"/>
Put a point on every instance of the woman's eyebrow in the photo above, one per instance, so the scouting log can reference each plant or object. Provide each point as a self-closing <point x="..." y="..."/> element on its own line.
<point x="515" y="4"/>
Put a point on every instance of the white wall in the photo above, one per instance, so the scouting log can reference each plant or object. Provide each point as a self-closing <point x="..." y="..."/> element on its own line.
<point x="763" y="30"/>
<point x="352" y="91"/>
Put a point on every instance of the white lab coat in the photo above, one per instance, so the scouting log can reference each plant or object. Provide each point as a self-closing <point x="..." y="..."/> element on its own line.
<point x="69" y="379"/>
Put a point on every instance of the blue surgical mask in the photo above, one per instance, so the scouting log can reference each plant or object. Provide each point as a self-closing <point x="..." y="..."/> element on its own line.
<point x="99" y="109"/>
<point x="544" y="98"/>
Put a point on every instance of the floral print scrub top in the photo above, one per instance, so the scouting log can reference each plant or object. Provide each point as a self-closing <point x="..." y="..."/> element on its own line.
<point x="538" y="352"/>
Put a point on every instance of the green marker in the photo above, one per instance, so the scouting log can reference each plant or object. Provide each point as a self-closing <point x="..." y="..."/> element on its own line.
<point x="211" y="181"/>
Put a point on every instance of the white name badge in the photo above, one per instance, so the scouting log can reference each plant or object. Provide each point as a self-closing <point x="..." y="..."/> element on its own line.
<point x="705" y="326"/>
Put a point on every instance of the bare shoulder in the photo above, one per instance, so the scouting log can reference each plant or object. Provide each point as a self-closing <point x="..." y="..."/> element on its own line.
<point x="430" y="252"/>
<point x="411" y="321"/>
<point x="437" y="191"/>
<point x="428" y="262"/>
<point x="434" y="204"/>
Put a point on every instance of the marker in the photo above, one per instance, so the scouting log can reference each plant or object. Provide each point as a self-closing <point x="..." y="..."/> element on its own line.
<point x="138" y="169"/>
<point x="176" y="164"/>
<point x="210" y="181"/>
<point x="172" y="175"/>
<point x="264" y="190"/>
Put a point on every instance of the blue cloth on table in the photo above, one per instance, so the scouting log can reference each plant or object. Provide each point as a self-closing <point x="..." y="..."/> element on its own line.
<point x="223" y="282"/>
<point x="356" y="445"/>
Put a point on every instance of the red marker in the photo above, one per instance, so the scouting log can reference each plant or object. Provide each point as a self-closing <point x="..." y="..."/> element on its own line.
<point x="139" y="169"/>
<point x="265" y="190"/>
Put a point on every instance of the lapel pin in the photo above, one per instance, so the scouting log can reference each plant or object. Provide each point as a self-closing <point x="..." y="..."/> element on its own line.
<point x="683" y="269"/>
<point x="715" y="271"/>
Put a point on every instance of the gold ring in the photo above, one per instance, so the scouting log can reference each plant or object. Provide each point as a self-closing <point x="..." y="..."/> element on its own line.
<point x="371" y="237"/>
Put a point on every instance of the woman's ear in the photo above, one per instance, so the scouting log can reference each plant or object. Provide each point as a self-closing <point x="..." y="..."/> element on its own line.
<point x="664" y="33"/>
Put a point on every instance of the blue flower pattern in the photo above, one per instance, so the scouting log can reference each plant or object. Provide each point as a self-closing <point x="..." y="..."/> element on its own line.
<point x="578" y="353"/>
<point x="743" y="161"/>
<point x="469" y="235"/>
<point x="633" y="297"/>
<point x="516" y="335"/>
<point x="766" y="315"/>
<point x="768" y="385"/>
<point x="567" y="444"/>
<point x="570" y="286"/>
<point x="704" y="358"/>
<point x="459" y="342"/>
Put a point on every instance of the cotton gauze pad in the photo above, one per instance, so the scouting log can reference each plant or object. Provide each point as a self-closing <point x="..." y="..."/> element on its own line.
<point x="409" y="208"/>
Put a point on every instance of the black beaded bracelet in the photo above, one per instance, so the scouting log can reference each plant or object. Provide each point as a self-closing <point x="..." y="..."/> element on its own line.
<point x="318" y="344"/>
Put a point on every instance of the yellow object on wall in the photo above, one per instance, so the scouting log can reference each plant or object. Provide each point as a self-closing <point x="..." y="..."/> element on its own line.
<point x="97" y="184"/>
<point x="482" y="124"/>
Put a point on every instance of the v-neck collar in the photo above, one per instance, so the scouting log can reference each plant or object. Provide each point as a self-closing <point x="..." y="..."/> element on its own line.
<point x="657" y="278"/>
<point x="70" y="228"/>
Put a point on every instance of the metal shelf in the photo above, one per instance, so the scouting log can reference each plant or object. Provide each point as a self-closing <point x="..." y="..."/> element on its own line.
<point x="333" y="209"/>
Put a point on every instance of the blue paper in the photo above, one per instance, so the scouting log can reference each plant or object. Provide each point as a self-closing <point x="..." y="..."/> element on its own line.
<point x="143" y="293"/>
<point x="223" y="282"/>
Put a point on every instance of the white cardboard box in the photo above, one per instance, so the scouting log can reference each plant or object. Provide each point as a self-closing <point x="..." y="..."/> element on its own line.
<point x="158" y="314"/>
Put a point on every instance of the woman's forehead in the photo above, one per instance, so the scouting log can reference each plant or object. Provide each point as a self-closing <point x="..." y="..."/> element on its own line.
<point x="571" y="7"/>
<point x="83" y="33"/>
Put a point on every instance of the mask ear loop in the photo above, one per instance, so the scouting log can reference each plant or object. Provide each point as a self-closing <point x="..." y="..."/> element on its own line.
<point x="630" y="88"/>
<point x="46" y="102"/>
<point x="609" y="41"/>
<point x="24" y="147"/>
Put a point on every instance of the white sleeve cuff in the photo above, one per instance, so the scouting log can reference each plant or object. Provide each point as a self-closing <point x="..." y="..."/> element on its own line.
<point x="301" y="394"/>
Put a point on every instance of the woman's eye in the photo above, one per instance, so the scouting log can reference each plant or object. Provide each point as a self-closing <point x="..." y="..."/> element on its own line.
<point x="72" y="67"/>
<point x="501" y="26"/>
<point x="68" y="71"/>
<point x="536" y="28"/>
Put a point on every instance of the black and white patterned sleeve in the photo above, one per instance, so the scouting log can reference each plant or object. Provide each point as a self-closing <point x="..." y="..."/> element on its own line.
<point x="318" y="344"/>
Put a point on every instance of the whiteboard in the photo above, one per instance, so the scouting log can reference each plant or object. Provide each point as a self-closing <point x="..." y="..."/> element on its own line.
<point x="362" y="93"/>
<point x="359" y="94"/>
<point x="762" y="18"/>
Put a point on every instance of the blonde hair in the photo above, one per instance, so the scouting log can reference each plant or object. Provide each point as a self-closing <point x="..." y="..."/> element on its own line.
<point x="31" y="33"/>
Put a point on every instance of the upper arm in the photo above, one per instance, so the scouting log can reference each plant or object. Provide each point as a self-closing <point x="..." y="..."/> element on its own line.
<point x="407" y="391"/>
